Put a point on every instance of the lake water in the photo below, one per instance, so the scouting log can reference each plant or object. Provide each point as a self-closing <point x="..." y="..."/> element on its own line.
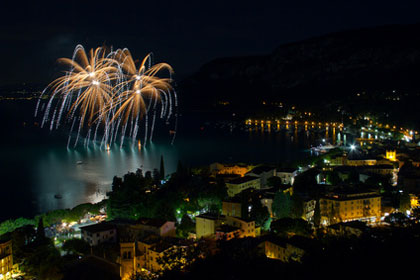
<point x="37" y="165"/>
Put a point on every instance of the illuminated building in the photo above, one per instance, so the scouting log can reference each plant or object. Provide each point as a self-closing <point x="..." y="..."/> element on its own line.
<point x="360" y="162"/>
<point x="128" y="261"/>
<point x="263" y="172"/>
<point x="338" y="160"/>
<point x="247" y="226"/>
<point x="391" y="155"/>
<point x="287" y="175"/>
<point x="226" y="232"/>
<point x="212" y="226"/>
<point x="238" y="169"/>
<point x="414" y="200"/>
<point x="308" y="208"/>
<point x="6" y="259"/>
<point x="96" y="234"/>
<point x="146" y="255"/>
<point x="232" y="208"/>
<point x="155" y="226"/>
<point x="205" y="224"/>
<point x="350" y="206"/>
<point x="350" y="229"/>
<point x="381" y="169"/>
<point x="282" y="249"/>
<point x="238" y="185"/>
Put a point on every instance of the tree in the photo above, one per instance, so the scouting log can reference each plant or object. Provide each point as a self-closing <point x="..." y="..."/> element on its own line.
<point x="116" y="183"/>
<point x="397" y="218"/>
<point x="289" y="225"/>
<point x="415" y="212"/>
<point x="11" y="225"/>
<point x="139" y="173"/>
<point x="156" y="176"/>
<point x="306" y="181"/>
<point x="333" y="178"/>
<point x="22" y="237"/>
<point x="40" y="231"/>
<point x="275" y="182"/>
<point x="296" y="207"/>
<point x="76" y="246"/>
<point x="176" y="259"/>
<point x="281" y="206"/>
<point x="259" y="213"/>
<point x="162" y="168"/>
<point x="353" y="177"/>
<point x="148" y="175"/>
<point x="405" y="203"/>
<point x="186" y="226"/>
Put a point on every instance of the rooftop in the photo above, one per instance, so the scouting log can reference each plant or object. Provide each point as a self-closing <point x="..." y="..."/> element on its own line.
<point x="262" y="168"/>
<point x="296" y="241"/>
<point x="286" y="170"/>
<point x="92" y="267"/>
<point x="104" y="226"/>
<point x="4" y="239"/>
<point x="348" y="194"/>
<point x="353" y="224"/>
<point x="210" y="216"/>
<point x="244" y="219"/>
<point x="379" y="166"/>
<point x="151" y="222"/>
<point x="242" y="180"/>
<point x="227" y="229"/>
<point x="169" y="242"/>
<point x="150" y="239"/>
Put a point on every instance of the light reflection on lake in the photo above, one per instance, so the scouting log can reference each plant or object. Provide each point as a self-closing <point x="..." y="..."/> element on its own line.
<point x="38" y="171"/>
<point x="85" y="175"/>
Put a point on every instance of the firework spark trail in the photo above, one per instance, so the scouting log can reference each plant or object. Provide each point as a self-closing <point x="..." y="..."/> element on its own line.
<point x="176" y="117"/>
<point x="78" y="134"/>
<point x="123" y="135"/>
<point x="72" y="125"/>
<point x="136" y="128"/>
<point x="146" y="126"/>
<point x="47" y="111"/>
<point x="96" y="129"/>
<point x="87" y="138"/>
<point x="107" y="93"/>
<point x="153" y="121"/>
<point x="39" y="101"/>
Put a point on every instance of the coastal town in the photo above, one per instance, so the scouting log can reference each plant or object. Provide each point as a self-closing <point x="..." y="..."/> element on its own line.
<point x="153" y="224"/>
<point x="197" y="140"/>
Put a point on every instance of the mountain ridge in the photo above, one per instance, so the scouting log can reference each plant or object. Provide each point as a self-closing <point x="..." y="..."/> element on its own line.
<point x="330" y="65"/>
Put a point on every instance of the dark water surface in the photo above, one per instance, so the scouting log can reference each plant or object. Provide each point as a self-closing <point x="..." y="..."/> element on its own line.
<point x="36" y="165"/>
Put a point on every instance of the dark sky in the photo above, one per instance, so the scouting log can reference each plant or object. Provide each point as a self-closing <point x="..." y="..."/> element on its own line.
<point x="185" y="34"/>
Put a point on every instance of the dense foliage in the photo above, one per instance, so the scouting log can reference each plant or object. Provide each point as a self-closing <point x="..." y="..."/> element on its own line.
<point x="53" y="217"/>
<point x="137" y="195"/>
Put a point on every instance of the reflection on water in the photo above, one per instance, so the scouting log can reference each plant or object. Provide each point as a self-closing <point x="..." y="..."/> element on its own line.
<point x="35" y="172"/>
<point x="85" y="175"/>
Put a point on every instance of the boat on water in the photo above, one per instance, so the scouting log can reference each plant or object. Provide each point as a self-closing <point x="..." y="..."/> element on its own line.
<point x="58" y="196"/>
<point x="79" y="162"/>
<point x="323" y="148"/>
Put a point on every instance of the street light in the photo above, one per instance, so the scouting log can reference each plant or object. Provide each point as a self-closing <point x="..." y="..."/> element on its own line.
<point x="352" y="147"/>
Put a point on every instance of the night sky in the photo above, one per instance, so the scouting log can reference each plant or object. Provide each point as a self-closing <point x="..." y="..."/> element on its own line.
<point x="185" y="34"/>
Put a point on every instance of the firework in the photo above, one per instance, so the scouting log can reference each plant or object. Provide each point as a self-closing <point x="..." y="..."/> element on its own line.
<point x="108" y="91"/>
<point x="140" y="91"/>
